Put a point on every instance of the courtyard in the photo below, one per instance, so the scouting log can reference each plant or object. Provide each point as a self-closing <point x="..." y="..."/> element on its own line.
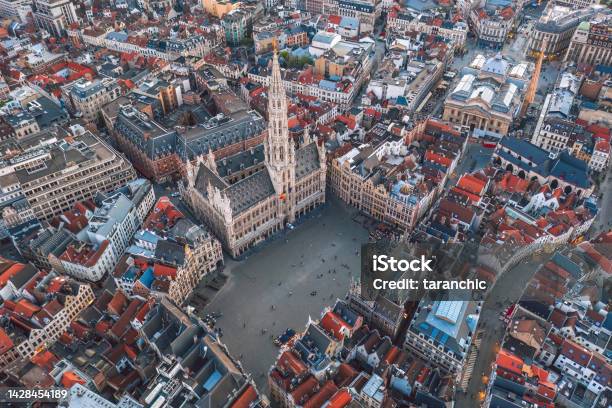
<point x="284" y="282"/>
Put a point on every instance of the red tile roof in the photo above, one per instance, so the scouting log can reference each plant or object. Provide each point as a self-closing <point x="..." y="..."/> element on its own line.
<point x="509" y="362"/>
<point x="546" y="392"/>
<point x="102" y="327"/>
<point x="70" y="378"/>
<point x="603" y="146"/>
<point x="246" y="398"/>
<point x="45" y="359"/>
<point x="557" y="318"/>
<point x="455" y="211"/>
<point x="79" y="329"/>
<point x="163" y="216"/>
<point x="289" y="362"/>
<point x="302" y="392"/>
<point x="507" y="13"/>
<point x="599" y="131"/>
<point x="576" y="353"/>
<point x="333" y="323"/>
<point x="118" y="303"/>
<point x="472" y="184"/>
<point x="392" y="354"/>
<point x="334" y="19"/>
<point x="56" y="284"/>
<point x="163" y="270"/>
<point x="322" y="396"/>
<point x="5" y="342"/>
<point x="346" y="374"/>
<point x="432" y="156"/>
<point x="86" y="255"/>
<point x="25" y="309"/>
<point x="123" y="324"/>
<point x="10" y="272"/>
<point x="340" y="399"/>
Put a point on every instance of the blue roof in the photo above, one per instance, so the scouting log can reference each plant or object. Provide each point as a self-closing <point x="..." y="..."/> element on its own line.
<point x="324" y="37"/>
<point x="139" y="251"/>
<point x="349" y="22"/>
<point x="401" y="385"/>
<point x="590" y="105"/>
<point x="441" y="325"/>
<point x="147" y="277"/>
<point x="301" y="52"/>
<point x="591" y="204"/>
<point x="401" y="100"/>
<point x="147" y="236"/>
<point x="499" y="3"/>
<point x="210" y="383"/>
<point x="420" y="5"/>
<point x="358" y="6"/>
<point x="525" y="149"/>
<point x="50" y="114"/>
<point x="571" y="169"/>
<point x="329" y="85"/>
<point x="508" y="157"/>
<point x="372" y="387"/>
<point x="607" y="324"/>
<point x="604" y="69"/>
<point x="472" y="322"/>
<point x="130" y="273"/>
<point x="120" y="36"/>
<point x="565" y="263"/>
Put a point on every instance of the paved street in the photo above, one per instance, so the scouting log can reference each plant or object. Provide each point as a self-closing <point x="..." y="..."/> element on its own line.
<point x="294" y="261"/>
<point x="505" y="292"/>
<point x="603" y="221"/>
<point x="379" y="53"/>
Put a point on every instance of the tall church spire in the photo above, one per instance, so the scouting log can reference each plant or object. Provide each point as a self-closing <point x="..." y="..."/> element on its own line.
<point x="278" y="148"/>
<point x="278" y="133"/>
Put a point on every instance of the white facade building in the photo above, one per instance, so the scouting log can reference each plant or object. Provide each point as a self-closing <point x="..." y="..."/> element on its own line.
<point x="54" y="16"/>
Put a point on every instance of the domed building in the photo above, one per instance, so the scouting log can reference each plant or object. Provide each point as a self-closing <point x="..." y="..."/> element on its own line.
<point x="489" y="95"/>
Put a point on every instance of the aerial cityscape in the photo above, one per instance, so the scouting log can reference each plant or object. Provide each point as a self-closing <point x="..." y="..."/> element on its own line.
<point x="306" y="203"/>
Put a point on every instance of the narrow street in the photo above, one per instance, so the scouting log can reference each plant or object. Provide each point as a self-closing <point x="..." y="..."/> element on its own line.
<point x="504" y="293"/>
<point x="604" y="216"/>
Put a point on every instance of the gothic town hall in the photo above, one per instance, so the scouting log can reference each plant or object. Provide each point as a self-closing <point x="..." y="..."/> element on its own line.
<point x="245" y="211"/>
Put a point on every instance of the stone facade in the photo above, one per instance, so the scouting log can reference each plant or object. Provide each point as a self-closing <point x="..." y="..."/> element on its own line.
<point x="243" y="212"/>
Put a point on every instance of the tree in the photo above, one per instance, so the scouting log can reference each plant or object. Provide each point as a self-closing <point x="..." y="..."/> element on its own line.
<point x="292" y="61"/>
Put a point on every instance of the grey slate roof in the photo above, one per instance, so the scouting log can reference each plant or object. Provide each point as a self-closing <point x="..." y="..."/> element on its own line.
<point x="186" y="231"/>
<point x="316" y="337"/>
<point x="243" y="194"/>
<point x="24" y="275"/>
<point x="170" y="252"/>
<point x="206" y="175"/>
<point x="307" y="160"/>
<point x="241" y="161"/>
<point x="58" y="161"/>
<point x="220" y="133"/>
<point x="250" y="191"/>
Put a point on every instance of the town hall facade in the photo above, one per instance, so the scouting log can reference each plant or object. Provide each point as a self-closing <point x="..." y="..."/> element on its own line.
<point x="245" y="211"/>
